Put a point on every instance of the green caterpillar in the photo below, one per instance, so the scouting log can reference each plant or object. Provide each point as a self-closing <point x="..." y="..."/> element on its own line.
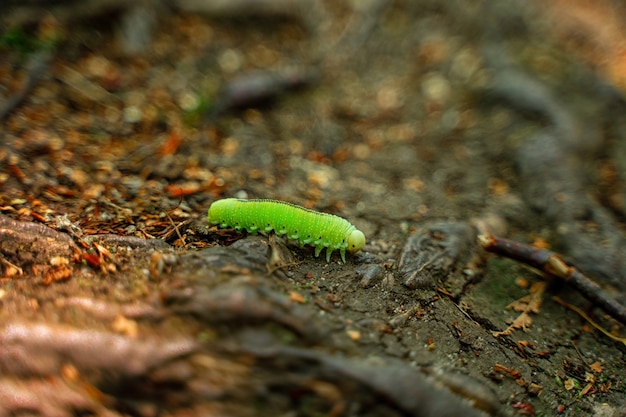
<point x="307" y="226"/>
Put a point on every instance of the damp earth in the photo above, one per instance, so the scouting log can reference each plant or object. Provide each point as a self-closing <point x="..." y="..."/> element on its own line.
<point x="427" y="124"/>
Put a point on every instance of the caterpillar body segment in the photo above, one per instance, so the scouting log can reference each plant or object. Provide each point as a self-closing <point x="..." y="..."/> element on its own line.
<point x="308" y="227"/>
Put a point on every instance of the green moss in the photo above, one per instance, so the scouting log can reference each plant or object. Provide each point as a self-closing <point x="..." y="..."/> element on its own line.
<point x="286" y="336"/>
<point x="18" y="40"/>
<point x="207" y="336"/>
<point x="500" y="283"/>
<point x="196" y="115"/>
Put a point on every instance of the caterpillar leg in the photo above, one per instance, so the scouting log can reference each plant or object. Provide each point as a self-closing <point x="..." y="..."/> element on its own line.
<point x="329" y="253"/>
<point x="318" y="249"/>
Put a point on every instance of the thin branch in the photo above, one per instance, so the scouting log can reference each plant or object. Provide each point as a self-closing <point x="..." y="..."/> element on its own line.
<point x="588" y="319"/>
<point x="552" y="264"/>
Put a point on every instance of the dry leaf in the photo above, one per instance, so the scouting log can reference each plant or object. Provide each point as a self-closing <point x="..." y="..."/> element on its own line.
<point x="570" y="384"/>
<point x="513" y="373"/>
<point x="586" y="390"/>
<point x="521" y="322"/>
<point x="528" y="304"/>
<point x="297" y="297"/>
<point x="354" y="335"/>
<point x="596" y="367"/>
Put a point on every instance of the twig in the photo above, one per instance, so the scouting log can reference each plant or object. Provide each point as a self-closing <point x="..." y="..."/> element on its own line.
<point x="175" y="226"/>
<point x="588" y="319"/>
<point x="553" y="265"/>
<point x="10" y="266"/>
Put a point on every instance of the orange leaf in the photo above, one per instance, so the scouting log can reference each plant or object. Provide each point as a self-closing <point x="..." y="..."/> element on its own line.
<point x="171" y="144"/>
<point x="521" y="322"/>
<point x="596" y="367"/>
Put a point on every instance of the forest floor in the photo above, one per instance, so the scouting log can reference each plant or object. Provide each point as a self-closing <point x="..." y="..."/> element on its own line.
<point x="426" y="124"/>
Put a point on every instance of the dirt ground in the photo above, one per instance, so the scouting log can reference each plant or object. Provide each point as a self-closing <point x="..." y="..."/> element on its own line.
<point x="424" y="123"/>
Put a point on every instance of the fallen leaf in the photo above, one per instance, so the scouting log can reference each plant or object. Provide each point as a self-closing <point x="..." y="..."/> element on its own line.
<point x="570" y="384"/>
<point x="297" y="297"/>
<point x="596" y="367"/>
<point x="521" y="322"/>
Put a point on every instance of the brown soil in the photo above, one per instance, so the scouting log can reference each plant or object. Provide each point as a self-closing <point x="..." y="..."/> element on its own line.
<point x="424" y="123"/>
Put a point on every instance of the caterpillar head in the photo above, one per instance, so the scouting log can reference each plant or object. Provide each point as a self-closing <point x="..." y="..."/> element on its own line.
<point x="356" y="241"/>
<point x="219" y="209"/>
